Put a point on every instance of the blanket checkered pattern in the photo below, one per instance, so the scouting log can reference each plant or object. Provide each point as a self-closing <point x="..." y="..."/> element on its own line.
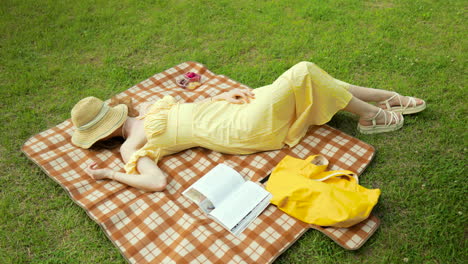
<point x="165" y="227"/>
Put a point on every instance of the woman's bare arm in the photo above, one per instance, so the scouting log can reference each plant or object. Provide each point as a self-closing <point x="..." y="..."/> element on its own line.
<point x="151" y="177"/>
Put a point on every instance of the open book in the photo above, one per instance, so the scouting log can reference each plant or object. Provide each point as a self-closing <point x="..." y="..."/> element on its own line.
<point x="227" y="198"/>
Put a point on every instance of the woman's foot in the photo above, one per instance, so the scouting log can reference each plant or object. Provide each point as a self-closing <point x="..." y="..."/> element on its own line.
<point x="403" y="104"/>
<point x="382" y="121"/>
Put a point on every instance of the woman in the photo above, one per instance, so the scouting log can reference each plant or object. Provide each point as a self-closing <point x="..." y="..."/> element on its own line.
<point x="235" y="122"/>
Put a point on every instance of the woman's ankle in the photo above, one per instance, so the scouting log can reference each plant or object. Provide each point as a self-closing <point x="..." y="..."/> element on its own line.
<point x="366" y="118"/>
<point x="380" y="117"/>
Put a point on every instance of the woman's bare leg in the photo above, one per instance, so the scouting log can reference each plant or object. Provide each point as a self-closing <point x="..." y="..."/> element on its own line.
<point x="377" y="95"/>
<point x="366" y="111"/>
<point x="369" y="94"/>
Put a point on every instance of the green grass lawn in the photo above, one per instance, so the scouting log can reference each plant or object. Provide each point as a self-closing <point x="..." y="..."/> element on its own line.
<point x="53" y="53"/>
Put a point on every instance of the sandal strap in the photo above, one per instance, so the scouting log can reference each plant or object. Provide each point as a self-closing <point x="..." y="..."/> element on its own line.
<point x="387" y="102"/>
<point x="374" y="122"/>
<point x="411" y="102"/>
<point x="394" y="118"/>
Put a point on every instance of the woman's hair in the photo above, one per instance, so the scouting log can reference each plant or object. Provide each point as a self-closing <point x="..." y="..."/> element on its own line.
<point x="132" y="112"/>
<point x="110" y="143"/>
<point x="116" y="141"/>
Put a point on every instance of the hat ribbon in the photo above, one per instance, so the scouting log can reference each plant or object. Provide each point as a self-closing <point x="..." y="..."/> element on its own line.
<point x="100" y="115"/>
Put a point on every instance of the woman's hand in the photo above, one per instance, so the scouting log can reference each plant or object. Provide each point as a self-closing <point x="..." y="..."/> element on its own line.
<point x="98" y="174"/>
<point x="236" y="96"/>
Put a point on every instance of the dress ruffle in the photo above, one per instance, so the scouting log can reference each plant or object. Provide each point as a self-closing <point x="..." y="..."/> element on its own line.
<point x="148" y="151"/>
<point x="156" y="117"/>
<point x="155" y="123"/>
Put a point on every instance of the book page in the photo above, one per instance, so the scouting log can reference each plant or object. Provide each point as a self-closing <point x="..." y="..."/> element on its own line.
<point x="242" y="225"/>
<point x="215" y="185"/>
<point x="239" y="204"/>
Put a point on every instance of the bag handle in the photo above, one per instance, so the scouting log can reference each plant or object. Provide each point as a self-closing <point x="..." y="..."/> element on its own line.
<point x="320" y="161"/>
<point x="338" y="173"/>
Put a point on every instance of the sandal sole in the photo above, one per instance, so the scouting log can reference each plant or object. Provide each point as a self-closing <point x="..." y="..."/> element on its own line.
<point x="378" y="129"/>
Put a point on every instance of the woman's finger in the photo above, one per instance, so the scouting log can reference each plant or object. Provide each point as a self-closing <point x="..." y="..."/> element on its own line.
<point x="246" y="97"/>
<point x="90" y="173"/>
<point x="243" y="97"/>
<point x="233" y="100"/>
<point x="235" y="95"/>
<point x="248" y="93"/>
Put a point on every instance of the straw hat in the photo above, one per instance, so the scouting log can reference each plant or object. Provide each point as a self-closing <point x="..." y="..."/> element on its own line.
<point x="94" y="120"/>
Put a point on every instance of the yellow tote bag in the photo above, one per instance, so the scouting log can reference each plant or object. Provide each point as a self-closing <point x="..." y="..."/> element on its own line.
<point x="304" y="190"/>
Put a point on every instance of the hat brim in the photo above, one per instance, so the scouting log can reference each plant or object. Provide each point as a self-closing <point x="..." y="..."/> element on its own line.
<point x="112" y="120"/>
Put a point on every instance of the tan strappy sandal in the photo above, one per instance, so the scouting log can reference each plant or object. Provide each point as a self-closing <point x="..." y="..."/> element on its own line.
<point x="396" y="122"/>
<point x="410" y="108"/>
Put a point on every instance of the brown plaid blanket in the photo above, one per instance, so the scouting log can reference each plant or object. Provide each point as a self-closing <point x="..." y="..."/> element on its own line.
<point x="165" y="227"/>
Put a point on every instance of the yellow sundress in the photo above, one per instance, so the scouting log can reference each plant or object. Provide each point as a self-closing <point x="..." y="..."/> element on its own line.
<point x="280" y="114"/>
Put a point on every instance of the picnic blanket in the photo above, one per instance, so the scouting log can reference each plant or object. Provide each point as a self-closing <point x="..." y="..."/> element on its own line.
<point x="165" y="227"/>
